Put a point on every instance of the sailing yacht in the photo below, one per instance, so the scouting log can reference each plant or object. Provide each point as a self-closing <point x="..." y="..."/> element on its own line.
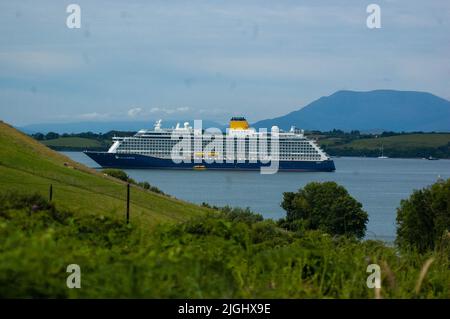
<point x="382" y="153"/>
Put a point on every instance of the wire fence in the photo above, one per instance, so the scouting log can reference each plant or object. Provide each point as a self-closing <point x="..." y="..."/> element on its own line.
<point x="49" y="190"/>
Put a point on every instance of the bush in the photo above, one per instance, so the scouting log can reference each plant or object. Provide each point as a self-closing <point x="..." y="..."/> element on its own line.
<point x="38" y="241"/>
<point x="237" y="214"/>
<point x="119" y="174"/>
<point x="324" y="206"/>
<point x="423" y="220"/>
<point x="116" y="173"/>
<point x="147" y="186"/>
<point x="144" y="185"/>
<point x="51" y="136"/>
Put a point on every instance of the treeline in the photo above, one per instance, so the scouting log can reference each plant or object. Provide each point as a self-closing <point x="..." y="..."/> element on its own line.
<point x="345" y="136"/>
<point x="79" y="141"/>
<point x="89" y="135"/>
<point x="341" y="137"/>
<point x="335" y="143"/>
<point x="419" y="152"/>
<point x="338" y="143"/>
<point x="356" y="133"/>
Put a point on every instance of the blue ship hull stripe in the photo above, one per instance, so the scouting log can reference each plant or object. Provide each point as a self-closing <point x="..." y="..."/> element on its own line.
<point x="114" y="160"/>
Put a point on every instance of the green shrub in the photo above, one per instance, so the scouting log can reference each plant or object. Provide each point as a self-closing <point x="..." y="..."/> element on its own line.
<point x="147" y="186"/>
<point x="116" y="173"/>
<point x="237" y="214"/>
<point x="144" y="185"/>
<point x="324" y="206"/>
<point x="423" y="220"/>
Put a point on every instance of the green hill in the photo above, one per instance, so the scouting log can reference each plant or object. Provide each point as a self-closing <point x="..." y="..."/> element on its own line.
<point x="403" y="145"/>
<point x="403" y="141"/>
<point x="28" y="166"/>
<point x="76" y="143"/>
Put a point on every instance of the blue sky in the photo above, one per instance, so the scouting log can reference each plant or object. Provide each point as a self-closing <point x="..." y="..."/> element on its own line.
<point x="138" y="60"/>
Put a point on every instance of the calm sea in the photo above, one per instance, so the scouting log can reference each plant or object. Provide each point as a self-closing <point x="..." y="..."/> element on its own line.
<point x="379" y="184"/>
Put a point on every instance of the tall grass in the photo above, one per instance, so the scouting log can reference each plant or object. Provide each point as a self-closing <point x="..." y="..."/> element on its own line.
<point x="220" y="255"/>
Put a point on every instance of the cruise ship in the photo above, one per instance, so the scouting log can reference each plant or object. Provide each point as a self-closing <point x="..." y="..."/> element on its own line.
<point x="239" y="148"/>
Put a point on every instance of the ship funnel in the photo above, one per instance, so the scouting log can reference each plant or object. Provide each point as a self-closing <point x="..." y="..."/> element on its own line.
<point x="238" y="123"/>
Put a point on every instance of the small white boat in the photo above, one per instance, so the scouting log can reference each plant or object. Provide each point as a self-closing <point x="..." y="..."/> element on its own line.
<point x="382" y="153"/>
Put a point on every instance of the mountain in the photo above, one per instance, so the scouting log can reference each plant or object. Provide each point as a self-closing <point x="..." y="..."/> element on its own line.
<point x="103" y="127"/>
<point x="377" y="110"/>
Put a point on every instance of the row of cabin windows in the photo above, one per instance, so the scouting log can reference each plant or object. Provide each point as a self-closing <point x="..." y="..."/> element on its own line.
<point x="165" y="144"/>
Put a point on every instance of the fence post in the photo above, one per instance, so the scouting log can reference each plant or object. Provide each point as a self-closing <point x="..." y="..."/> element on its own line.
<point x="50" y="195"/>
<point x="128" y="203"/>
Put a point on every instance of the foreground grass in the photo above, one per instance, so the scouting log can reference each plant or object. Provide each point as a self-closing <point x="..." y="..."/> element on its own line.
<point x="26" y="165"/>
<point x="214" y="256"/>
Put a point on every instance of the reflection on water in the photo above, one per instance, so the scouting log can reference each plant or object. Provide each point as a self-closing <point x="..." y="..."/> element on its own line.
<point x="379" y="184"/>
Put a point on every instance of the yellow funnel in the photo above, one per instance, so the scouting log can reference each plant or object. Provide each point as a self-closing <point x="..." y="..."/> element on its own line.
<point x="238" y="123"/>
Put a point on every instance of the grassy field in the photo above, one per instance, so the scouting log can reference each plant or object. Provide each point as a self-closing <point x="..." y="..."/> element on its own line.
<point x="75" y="143"/>
<point x="401" y="141"/>
<point x="421" y="145"/>
<point x="28" y="166"/>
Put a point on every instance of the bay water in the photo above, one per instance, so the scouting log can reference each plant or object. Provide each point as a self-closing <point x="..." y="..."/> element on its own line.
<point x="379" y="184"/>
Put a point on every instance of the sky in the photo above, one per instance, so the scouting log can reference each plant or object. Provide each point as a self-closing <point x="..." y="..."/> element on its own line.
<point x="212" y="59"/>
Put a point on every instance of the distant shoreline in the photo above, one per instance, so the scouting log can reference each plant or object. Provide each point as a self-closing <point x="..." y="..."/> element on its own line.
<point x="335" y="143"/>
<point x="75" y="150"/>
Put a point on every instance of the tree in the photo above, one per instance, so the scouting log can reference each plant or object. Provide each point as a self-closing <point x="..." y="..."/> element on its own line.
<point x="38" y="136"/>
<point x="117" y="173"/>
<point x="325" y="206"/>
<point x="51" y="136"/>
<point x="423" y="220"/>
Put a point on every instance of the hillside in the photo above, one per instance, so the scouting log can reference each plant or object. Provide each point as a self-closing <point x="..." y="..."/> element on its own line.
<point x="76" y="143"/>
<point x="403" y="141"/>
<point x="28" y="166"/>
<point x="404" y="145"/>
<point x="379" y="110"/>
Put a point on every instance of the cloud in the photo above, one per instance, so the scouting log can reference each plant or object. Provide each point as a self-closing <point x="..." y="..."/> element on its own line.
<point x="39" y="61"/>
<point x="256" y="58"/>
<point x="164" y="110"/>
<point x="134" y="112"/>
<point x="94" y="116"/>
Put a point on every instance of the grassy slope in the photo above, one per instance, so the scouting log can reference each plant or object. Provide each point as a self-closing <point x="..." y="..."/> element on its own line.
<point x="28" y="166"/>
<point x="77" y="142"/>
<point x="401" y="141"/>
